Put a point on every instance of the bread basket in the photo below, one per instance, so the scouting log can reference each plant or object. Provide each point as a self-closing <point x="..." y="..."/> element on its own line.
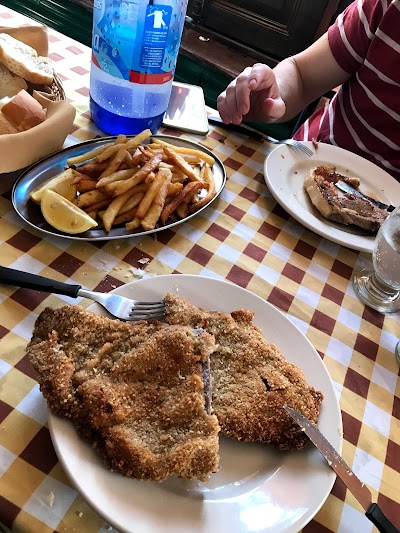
<point x="19" y="150"/>
<point x="55" y="91"/>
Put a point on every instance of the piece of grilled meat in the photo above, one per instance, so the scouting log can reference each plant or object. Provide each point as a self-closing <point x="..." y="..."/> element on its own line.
<point x="345" y="208"/>
<point x="251" y="379"/>
<point x="135" y="391"/>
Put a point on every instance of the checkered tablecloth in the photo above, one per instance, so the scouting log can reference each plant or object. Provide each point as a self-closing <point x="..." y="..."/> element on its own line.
<point x="246" y="238"/>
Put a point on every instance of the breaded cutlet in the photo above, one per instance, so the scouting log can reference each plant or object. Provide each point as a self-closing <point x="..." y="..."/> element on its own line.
<point x="251" y="379"/>
<point x="134" y="390"/>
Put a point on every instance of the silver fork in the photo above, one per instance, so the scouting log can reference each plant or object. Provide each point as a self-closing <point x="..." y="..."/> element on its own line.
<point x="118" y="306"/>
<point x="296" y="144"/>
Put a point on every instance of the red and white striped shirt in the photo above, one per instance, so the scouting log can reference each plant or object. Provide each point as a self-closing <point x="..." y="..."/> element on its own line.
<point x="364" y="116"/>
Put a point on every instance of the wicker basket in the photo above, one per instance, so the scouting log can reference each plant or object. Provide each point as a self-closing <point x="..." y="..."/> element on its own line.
<point x="19" y="150"/>
<point x="22" y="149"/>
<point x="55" y="91"/>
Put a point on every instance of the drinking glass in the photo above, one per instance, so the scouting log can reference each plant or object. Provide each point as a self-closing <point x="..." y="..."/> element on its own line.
<point x="379" y="287"/>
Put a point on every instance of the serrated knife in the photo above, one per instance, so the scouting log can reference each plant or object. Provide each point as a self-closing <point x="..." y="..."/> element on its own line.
<point x="345" y="187"/>
<point x="361" y="492"/>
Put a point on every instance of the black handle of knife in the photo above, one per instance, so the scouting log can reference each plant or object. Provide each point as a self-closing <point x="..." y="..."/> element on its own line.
<point x="238" y="128"/>
<point x="345" y="187"/>
<point x="382" y="523"/>
<point x="378" y="203"/>
<point x="26" y="280"/>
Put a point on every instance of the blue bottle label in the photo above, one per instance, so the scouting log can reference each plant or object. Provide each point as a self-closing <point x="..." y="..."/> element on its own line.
<point x="137" y="40"/>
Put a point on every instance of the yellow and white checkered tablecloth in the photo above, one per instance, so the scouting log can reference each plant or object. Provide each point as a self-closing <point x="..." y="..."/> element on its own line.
<point x="244" y="237"/>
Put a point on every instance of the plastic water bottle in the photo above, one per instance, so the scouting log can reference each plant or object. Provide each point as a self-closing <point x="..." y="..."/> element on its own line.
<point x="134" y="51"/>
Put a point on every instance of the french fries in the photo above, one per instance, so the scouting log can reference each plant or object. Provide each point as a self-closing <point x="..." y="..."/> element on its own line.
<point x="207" y="177"/>
<point x="152" y="215"/>
<point x="142" y="185"/>
<point x="114" y="208"/>
<point x="187" y="191"/>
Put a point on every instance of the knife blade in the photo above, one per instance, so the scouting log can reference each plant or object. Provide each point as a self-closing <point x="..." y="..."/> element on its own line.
<point x="345" y="187"/>
<point x="361" y="492"/>
<point x="240" y="128"/>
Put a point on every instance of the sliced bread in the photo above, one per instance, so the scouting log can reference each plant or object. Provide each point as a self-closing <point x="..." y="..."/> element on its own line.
<point x="10" y="84"/>
<point x="24" y="61"/>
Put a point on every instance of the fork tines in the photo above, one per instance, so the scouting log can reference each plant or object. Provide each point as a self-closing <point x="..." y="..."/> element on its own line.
<point x="302" y="147"/>
<point x="148" y="311"/>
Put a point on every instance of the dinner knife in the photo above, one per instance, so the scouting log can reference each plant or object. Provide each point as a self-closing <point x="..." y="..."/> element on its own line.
<point x="240" y="128"/>
<point x="345" y="187"/>
<point x="361" y="492"/>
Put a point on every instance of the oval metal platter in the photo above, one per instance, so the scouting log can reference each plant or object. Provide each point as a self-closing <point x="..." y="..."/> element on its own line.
<point x="54" y="164"/>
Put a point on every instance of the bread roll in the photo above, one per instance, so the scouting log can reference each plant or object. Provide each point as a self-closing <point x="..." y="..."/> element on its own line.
<point x="24" y="61"/>
<point x="23" y="111"/>
<point x="6" y="126"/>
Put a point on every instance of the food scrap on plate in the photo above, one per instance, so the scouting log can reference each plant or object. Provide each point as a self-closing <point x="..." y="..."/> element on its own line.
<point x="345" y="208"/>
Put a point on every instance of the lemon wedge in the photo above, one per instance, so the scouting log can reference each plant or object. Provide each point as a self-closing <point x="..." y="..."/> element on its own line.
<point x="62" y="184"/>
<point x="63" y="214"/>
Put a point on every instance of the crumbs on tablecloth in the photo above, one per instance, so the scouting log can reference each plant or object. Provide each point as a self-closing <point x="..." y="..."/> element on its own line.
<point x="138" y="272"/>
<point x="50" y="499"/>
<point x="144" y="260"/>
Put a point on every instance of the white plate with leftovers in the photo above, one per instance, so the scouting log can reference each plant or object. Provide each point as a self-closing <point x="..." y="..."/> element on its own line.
<point x="285" y="169"/>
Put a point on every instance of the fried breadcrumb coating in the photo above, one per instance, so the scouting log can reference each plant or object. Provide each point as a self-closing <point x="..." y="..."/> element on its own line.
<point x="251" y="379"/>
<point x="135" y="391"/>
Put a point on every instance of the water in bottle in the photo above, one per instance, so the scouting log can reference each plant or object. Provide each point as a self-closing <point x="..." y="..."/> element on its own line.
<point x="134" y="51"/>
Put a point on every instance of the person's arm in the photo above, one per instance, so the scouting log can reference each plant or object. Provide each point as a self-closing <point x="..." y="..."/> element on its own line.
<point x="307" y="76"/>
<point x="277" y="95"/>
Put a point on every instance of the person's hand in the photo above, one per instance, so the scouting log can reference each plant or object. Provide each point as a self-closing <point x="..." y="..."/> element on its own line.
<point x="253" y="95"/>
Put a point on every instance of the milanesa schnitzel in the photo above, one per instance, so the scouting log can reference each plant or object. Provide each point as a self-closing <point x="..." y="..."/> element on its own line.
<point x="135" y="391"/>
<point x="251" y="380"/>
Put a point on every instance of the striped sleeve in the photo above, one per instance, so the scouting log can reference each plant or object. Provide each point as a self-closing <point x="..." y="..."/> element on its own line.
<point x="351" y="35"/>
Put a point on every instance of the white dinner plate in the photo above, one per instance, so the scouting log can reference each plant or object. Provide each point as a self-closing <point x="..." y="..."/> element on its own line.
<point x="258" y="489"/>
<point x="285" y="169"/>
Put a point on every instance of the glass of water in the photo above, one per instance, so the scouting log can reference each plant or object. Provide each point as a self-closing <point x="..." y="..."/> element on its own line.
<point x="379" y="287"/>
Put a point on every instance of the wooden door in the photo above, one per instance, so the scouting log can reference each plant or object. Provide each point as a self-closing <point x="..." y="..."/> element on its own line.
<point x="278" y="28"/>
